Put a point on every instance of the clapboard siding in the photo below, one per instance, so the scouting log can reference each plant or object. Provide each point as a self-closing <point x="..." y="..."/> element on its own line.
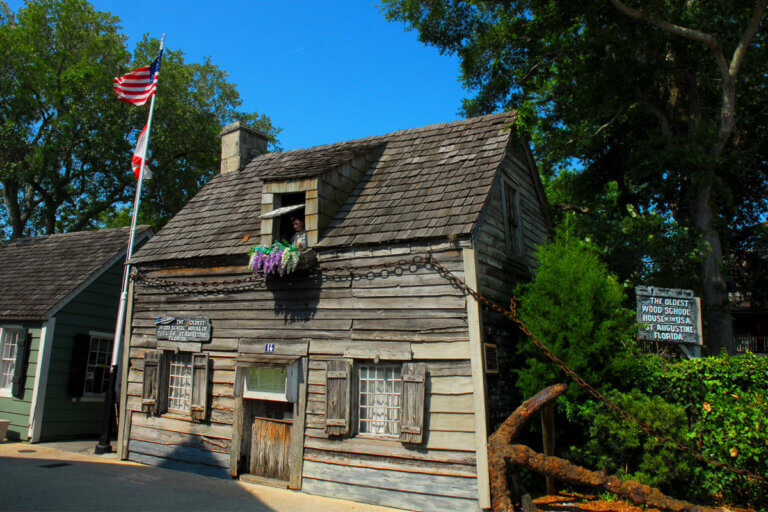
<point x="385" y="497"/>
<point x="498" y="272"/>
<point x="17" y="410"/>
<point x="411" y="310"/>
<point x="93" y="309"/>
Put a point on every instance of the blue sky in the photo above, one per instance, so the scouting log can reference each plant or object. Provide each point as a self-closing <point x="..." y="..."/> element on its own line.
<point x="322" y="71"/>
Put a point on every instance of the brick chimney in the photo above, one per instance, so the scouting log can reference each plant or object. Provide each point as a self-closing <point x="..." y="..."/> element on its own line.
<point x="239" y="144"/>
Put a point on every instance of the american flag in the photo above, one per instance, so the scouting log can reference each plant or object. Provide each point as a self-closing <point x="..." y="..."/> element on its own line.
<point x="139" y="85"/>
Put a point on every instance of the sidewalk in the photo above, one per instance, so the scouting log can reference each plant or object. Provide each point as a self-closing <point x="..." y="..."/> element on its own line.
<point x="45" y="477"/>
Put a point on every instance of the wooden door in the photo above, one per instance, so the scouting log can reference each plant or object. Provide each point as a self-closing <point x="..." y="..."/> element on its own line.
<point x="271" y="432"/>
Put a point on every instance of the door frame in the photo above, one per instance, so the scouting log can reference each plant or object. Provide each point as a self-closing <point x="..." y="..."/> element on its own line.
<point x="296" y="448"/>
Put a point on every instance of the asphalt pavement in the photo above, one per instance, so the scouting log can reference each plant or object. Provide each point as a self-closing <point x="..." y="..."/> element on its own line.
<point x="65" y="476"/>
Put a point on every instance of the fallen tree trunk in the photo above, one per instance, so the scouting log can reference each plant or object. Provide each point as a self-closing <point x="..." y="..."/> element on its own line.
<point x="509" y="430"/>
<point x="501" y="451"/>
<point x="564" y="471"/>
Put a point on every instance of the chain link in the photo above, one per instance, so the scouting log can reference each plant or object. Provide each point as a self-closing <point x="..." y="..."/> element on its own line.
<point x="257" y="282"/>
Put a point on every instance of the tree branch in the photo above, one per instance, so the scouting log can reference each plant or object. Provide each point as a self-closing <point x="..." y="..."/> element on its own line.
<point x="746" y="38"/>
<point x="672" y="28"/>
<point x="666" y="129"/>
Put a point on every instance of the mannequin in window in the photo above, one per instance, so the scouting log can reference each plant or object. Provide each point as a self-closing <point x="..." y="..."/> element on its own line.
<point x="299" y="238"/>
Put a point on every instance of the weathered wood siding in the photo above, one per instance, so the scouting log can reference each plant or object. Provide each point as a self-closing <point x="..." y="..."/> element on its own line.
<point x="498" y="270"/>
<point x="409" y="310"/>
<point x="94" y="309"/>
<point x="17" y="410"/>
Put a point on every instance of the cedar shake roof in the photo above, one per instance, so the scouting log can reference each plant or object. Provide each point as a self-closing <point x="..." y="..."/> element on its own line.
<point x="429" y="182"/>
<point x="37" y="274"/>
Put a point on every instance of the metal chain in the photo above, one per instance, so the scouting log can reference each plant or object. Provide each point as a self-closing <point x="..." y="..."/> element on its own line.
<point x="256" y="282"/>
<point x="511" y="313"/>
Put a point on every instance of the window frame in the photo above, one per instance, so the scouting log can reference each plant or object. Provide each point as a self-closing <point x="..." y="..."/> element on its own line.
<point x="167" y="387"/>
<point x="512" y="233"/>
<point x="90" y="395"/>
<point x="358" y="393"/>
<point x="8" y="392"/>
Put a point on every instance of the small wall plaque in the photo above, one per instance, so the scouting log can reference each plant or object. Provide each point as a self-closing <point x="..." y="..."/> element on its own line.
<point x="173" y="328"/>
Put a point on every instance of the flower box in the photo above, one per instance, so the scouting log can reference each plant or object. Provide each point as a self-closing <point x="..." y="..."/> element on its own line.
<point x="280" y="259"/>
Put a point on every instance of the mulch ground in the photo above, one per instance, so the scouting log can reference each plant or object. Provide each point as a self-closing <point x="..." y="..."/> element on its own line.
<point x="576" y="502"/>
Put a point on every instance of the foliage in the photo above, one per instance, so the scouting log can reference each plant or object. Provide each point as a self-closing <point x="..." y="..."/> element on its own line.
<point x="65" y="140"/>
<point x="625" y="112"/>
<point x="715" y="405"/>
<point x="574" y="305"/>
<point x="276" y="259"/>
<point x="622" y="448"/>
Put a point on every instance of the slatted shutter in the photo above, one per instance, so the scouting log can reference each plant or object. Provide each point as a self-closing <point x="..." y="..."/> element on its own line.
<point x="199" y="402"/>
<point x="412" y="402"/>
<point x="79" y="365"/>
<point x="338" y="384"/>
<point x="152" y="394"/>
<point x="20" y="365"/>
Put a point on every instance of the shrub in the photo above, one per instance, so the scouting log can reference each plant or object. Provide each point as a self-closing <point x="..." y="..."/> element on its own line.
<point x="574" y="305"/>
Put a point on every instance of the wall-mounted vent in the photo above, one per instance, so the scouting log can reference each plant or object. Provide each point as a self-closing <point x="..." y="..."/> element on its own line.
<point x="491" y="358"/>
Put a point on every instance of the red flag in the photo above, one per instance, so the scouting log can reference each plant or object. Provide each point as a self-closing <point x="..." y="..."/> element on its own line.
<point x="139" y="85"/>
<point x="141" y="147"/>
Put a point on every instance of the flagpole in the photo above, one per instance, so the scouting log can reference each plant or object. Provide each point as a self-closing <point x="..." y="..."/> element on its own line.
<point x="103" y="446"/>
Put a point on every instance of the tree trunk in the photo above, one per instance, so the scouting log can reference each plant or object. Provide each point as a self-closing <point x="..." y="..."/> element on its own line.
<point x="719" y="326"/>
<point x="11" y="199"/>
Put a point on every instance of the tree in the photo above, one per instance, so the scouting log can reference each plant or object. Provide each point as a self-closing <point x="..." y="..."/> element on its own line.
<point x="664" y="103"/>
<point x="66" y="142"/>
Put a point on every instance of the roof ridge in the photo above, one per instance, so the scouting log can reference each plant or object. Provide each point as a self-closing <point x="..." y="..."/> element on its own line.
<point x="380" y="139"/>
<point x="83" y="232"/>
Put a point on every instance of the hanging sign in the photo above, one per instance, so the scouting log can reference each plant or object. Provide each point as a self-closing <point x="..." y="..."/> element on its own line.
<point x="173" y="328"/>
<point x="668" y="314"/>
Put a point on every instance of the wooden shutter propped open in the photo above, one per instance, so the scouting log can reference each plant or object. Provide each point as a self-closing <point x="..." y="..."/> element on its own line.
<point x="78" y="367"/>
<point x="20" y="365"/>
<point x="198" y="408"/>
<point x="151" y="399"/>
<point x="412" y="402"/>
<point x="338" y="385"/>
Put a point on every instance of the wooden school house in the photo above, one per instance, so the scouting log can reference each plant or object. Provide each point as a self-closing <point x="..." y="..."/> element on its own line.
<point x="365" y="374"/>
<point x="58" y="307"/>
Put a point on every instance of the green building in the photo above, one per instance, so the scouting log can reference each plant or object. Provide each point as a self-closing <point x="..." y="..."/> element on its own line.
<point x="59" y="296"/>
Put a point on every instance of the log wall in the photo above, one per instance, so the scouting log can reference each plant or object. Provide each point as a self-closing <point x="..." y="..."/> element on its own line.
<point x="411" y="310"/>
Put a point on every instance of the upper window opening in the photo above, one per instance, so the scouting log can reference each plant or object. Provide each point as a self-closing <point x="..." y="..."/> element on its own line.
<point x="290" y="226"/>
<point x="511" y="218"/>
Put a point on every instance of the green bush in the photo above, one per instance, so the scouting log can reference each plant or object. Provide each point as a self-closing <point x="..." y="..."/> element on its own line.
<point x="575" y="306"/>
<point x="618" y="447"/>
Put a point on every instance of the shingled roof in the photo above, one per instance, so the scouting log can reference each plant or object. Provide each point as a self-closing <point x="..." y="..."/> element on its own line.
<point x="428" y="182"/>
<point x="37" y="274"/>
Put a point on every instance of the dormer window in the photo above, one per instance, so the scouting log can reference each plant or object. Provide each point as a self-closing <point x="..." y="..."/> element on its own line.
<point x="287" y="216"/>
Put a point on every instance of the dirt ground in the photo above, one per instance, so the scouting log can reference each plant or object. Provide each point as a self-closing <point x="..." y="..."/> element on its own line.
<point x="575" y="502"/>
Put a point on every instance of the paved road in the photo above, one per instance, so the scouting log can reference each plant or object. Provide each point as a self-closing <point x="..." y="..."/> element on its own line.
<point x="40" y="477"/>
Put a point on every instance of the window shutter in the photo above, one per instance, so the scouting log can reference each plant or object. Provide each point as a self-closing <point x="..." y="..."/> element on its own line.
<point x="199" y="401"/>
<point x="412" y="402"/>
<point x="151" y="395"/>
<point x="20" y="365"/>
<point x="337" y="396"/>
<point x="79" y="365"/>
